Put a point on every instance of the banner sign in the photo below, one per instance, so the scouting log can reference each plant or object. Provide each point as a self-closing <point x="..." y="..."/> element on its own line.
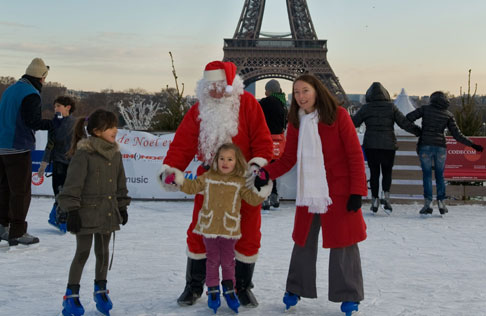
<point x="143" y="154"/>
<point x="464" y="162"/>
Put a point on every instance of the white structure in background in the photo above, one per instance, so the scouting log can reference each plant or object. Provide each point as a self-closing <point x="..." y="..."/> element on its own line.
<point x="138" y="114"/>
<point x="405" y="106"/>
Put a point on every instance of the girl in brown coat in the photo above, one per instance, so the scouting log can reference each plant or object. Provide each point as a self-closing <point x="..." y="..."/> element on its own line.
<point x="223" y="187"/>
<point x="95" y="199"/>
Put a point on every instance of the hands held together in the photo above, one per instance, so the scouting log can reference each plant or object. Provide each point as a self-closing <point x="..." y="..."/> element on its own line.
<point x="261" y="179"/>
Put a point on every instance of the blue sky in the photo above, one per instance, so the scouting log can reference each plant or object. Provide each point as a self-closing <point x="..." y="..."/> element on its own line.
<point x="419" y="45"/>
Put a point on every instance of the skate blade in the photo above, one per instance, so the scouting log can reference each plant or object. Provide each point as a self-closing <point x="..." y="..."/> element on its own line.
<point x="387" y="212"/>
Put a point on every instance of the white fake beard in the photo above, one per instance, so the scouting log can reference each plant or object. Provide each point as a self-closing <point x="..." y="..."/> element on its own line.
<point x="219" y="117"/>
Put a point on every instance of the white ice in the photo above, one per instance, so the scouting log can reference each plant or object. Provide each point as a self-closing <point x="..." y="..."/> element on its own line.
<point x="411" y="265"/>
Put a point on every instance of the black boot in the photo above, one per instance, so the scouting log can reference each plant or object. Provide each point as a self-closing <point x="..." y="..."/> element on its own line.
<point x="195" y="279"/>
<point x="244" y="274"/>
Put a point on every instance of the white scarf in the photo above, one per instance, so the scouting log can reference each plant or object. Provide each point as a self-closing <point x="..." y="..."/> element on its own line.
<point x="312" y="189"/>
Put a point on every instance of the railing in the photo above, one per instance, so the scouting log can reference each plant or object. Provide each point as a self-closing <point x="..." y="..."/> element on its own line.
<point x="275" y="43"/>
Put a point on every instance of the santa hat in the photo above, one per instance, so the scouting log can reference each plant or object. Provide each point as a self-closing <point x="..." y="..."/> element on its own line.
<point x="221" y="70"/>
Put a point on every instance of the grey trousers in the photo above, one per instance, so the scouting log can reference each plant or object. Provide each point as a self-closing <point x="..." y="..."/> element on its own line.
<point x="345" y="275"/>
<point x="83" y="248"/>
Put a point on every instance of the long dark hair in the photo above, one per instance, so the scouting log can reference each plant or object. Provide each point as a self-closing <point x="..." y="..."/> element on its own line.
<point x="326" y="103"/>
<point x="100" y="120"/>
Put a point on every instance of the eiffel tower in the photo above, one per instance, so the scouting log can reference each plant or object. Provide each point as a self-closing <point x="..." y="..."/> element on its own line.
<point x="259" y="56"/>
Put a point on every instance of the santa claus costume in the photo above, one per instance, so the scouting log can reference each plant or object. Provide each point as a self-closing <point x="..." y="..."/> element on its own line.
<point x="224" y="113"/>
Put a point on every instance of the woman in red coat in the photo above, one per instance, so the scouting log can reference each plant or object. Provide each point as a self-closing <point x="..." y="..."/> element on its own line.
<point x="323" y="144"/>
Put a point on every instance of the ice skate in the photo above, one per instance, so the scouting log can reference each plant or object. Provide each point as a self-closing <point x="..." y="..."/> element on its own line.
<point x="426" y="209"/>
<point x="229" y="295"/>
<point x="290" y="299"/>
<point x="386" y="203"/>
<point x="266" y="204"/>
<point x="442" y="207"/>
<point x="349" y="308"/>
<point x="214" y="301"/>
<point x="101" y="298"/>
<point x="274" y="200"/>
<point x="375" y="204"/>
<point x="70" y="302"/>
<point x="55" y="219"/>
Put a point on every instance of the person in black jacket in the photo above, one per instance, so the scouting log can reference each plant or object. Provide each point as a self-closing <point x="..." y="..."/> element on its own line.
<point x="275" y="110"/>
<point x="55" y="153"/>
<point x="380" y="143"/>
<point x="20" y="116"/>
<point x="431" y="146"/>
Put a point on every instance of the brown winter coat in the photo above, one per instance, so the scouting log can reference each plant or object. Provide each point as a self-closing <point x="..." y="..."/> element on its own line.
<point x="96" y="186"/>
<point x="220" y="212"/>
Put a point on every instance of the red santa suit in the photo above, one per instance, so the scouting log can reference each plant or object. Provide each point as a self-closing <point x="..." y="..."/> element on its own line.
<point x="251" y="134"/>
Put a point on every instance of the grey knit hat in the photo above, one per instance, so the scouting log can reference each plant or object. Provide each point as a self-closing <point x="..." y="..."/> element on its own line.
<point x="37" y="68"/>
<point x="273" y="86"/>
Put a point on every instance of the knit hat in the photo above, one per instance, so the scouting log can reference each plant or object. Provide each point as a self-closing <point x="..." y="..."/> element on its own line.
<point x="220" y="70"/>
<point x="37" y="68"/>
<point x="273" y="86"/>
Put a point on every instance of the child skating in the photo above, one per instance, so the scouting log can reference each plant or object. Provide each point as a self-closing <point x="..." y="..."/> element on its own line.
<point x="223" y="187"/>
<point x="95" y="199"/>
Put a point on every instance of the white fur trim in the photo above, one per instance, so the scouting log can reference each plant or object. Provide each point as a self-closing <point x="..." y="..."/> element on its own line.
<point x="161" y="177"/>
<point x="214" y="75"/>
<point x="216" y="235"/>
<point x="259" y="161"/>
<point x="265" y="190"/>
<point x="195" y="256"/>
<point x="228" y="89"/>
<point x="246" y="259"/>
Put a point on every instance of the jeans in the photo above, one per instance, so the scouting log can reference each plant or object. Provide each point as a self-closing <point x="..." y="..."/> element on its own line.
<point x="437" y="156"/>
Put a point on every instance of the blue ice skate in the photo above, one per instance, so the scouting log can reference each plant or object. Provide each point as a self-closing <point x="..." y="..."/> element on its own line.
<point x="70" y="302"/>
<point x="101" y="298"/>
<point x="290" y="299"/>
<point x="229" y="295"/>
<point x="54" y="217"/>
<point x="214" y="302"/>
<point x="349" y="308"/>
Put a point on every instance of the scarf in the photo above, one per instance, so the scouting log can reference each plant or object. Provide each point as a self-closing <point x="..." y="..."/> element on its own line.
<point x="312" y="188"/>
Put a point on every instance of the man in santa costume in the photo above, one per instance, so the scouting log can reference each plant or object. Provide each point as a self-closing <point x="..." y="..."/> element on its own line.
<point x="224" y="113"/>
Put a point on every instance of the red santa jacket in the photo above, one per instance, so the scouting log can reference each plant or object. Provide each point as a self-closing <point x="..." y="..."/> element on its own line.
<point x="253" y="136"/>
<point x="345" y="172"/>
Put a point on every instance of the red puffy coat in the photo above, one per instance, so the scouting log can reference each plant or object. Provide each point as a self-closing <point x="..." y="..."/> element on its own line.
<point x="345" y="171"/>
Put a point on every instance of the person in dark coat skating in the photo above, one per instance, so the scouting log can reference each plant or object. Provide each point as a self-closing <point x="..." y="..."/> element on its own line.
<point x="380" y="143"/>
<point x="431" y="146"/>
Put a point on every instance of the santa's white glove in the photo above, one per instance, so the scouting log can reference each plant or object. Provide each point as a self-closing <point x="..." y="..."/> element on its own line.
<point x="164" y="173"/>
<point x="42" y="169"/>
<point x="251" y="174"/>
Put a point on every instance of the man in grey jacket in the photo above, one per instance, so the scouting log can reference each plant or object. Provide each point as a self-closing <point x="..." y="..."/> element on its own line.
<point x="431" y="146"/>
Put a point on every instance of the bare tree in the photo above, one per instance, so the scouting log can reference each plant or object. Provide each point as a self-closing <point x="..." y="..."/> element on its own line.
<point x="176" y="107"/>
<point x="138" y="114"/>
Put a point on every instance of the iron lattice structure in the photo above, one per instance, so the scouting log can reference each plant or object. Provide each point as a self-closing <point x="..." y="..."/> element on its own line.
<point x="283" y="56"/>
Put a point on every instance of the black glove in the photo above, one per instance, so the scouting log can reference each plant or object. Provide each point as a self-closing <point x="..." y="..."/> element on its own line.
<point x="354" y="202"/>
<point x="61" y="216"/>
<point x="73" y="222"/>
<point x="261" y="179"/>
<point x="477" y="147"/>
<point x="124" y="215"/>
